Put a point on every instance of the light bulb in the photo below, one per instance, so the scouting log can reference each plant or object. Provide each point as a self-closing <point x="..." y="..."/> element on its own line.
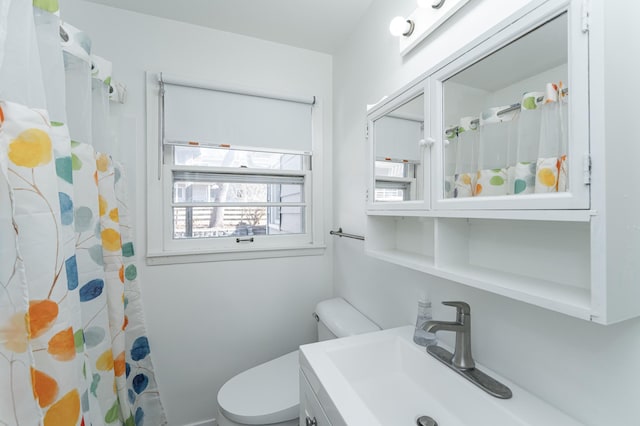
<point x="401" y="26"/>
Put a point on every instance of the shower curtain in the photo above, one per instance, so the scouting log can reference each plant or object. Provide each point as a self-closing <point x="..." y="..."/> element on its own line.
<point x="73" y="345"/>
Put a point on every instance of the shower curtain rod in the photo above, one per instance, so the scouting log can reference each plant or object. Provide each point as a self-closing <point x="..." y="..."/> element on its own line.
<point x="513" y="107"/>
<point x="339" y="233"/>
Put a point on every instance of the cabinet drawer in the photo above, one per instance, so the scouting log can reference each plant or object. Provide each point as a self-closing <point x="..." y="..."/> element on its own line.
<point x="311" y="412"/>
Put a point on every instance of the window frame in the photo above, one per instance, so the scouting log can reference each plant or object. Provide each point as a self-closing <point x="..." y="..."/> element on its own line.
<point x="162" y="248"/>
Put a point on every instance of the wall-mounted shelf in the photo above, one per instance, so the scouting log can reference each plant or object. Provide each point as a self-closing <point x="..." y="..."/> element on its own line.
<point x="535" y="215"/>
<point x="404" y="258"/>
<point x="545" y="263"/>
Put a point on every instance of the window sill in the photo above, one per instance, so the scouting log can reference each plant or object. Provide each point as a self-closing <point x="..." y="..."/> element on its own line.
<point x="200" y="256"/>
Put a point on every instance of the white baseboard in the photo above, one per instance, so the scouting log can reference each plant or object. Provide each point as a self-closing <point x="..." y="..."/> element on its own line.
<point x="210" y="422"/>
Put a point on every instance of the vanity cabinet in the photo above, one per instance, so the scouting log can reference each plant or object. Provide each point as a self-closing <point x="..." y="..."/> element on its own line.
<point x="529" y="173"/>
<point x="312" y="412"/>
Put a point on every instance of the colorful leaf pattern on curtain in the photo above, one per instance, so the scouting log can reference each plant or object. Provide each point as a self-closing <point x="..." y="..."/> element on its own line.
<point x="142" y="388"/>
<point x="114" y="278"/>
<point x="91" y="273"/>
<point x="36" y="201"/>
<point x="16" y="357"/>
<point x="68" y="303"/>
<point x="62" y="152"/>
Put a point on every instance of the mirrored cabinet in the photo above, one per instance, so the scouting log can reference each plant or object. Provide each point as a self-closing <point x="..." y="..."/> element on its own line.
<point x="511" y="116"/>
<point x="518" y="183"/>
<point x="399" y="160"/>
<point x="498" y="150"/>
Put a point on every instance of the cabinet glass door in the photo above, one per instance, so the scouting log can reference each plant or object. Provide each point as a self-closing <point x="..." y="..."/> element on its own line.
<point x="398" y="154"/>
<point x="513" y="118"/>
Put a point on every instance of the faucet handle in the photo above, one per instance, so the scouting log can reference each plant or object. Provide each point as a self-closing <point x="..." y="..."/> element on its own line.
<point x="462" y="309"/>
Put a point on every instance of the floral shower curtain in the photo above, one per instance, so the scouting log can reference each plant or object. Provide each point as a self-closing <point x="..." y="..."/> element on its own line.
<point x="73" y="345"/>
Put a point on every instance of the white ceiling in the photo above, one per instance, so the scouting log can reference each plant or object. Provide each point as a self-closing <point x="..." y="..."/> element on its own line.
<point x="319" y="25"/>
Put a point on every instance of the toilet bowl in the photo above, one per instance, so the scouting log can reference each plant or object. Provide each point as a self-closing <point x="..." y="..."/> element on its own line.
<point x="268" y="394"/>
<point x="263" y="395"/>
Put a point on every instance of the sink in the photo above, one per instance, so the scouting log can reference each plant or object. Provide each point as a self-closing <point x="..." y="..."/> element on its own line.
<point x="383" y="378"/>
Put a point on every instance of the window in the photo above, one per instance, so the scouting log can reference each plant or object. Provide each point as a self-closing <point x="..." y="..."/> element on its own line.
<point x="234" y="177"/>
<point x="247" y="193"/>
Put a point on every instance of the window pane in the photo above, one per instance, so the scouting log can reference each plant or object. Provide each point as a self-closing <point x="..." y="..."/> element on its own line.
<point x="391" y="191"/>
<point x="213" y="222"/>
<point x="220" y="157"/>
<point x="393" y="169"/>
<point x="204" y="188"/>
<point x="388" y="194"/>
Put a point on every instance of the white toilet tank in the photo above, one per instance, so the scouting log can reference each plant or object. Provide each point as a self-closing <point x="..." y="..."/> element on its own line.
<point x="337" y="318"/>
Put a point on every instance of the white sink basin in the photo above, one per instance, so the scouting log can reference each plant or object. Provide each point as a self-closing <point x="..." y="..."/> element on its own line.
<point x="383" y="378"/>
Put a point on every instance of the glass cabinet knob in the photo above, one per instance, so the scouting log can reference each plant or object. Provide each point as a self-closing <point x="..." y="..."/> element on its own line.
<point x="427" y="143"/>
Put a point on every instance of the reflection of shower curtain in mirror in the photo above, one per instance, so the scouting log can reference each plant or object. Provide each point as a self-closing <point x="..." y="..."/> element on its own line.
<point x="73" y="345"/>
<point x="522" y="167"/>
<point x="497" y="136"/>
<point x="450" y="155"/>
<point x="466" y="158"/>
<point x="551" y="167"/>
<point x="521" y="148"/>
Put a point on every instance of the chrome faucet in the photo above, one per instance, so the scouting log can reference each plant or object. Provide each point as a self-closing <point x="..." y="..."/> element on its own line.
<point x="461" y="360"/>
<point x="462" y="357"/>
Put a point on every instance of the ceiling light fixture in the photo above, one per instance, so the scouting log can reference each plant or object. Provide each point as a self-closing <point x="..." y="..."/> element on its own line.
<point x="427" y="17"/>
<point x="401" y="26"/>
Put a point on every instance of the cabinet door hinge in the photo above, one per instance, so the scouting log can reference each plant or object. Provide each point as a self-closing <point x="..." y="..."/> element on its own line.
<point x="585" y="15"/>
<point x="366" y="131"/>
<point x="586" y="169"/>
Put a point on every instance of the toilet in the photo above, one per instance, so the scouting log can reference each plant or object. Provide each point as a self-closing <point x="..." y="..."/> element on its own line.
<point x="269" y="393"/>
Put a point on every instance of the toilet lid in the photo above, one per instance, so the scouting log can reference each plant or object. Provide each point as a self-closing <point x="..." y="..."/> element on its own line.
<point x="268" y="393"/>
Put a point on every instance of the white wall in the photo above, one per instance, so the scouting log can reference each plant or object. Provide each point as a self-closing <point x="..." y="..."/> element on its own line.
<point x="209" y="321"/>
<point x="590" y="371"/>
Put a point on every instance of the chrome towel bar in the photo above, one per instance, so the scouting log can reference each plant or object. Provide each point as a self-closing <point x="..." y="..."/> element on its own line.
<point x="339" y="233"/>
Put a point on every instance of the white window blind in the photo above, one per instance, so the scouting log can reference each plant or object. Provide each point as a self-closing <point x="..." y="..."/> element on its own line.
<point x="398" y="138"/>
<point x="211" y="116"/>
